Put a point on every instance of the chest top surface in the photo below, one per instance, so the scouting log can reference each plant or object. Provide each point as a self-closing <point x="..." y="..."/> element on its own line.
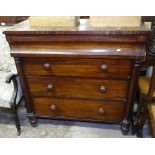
<point x="82" y="28"/>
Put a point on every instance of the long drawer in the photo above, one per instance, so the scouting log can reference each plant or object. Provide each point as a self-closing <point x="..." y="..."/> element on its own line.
<point x="77" y="87"/>
<point x="78" y="67"/>
<point x="79" y="109"/>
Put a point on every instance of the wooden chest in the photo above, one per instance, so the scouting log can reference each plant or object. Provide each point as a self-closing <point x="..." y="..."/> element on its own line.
<point x="78" y="73"/>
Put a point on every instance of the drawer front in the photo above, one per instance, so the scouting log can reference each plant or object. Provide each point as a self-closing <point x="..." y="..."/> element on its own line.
<point x="78" y="67"/>
<point x="79" y="109"/>
<point x="78" y="88"/>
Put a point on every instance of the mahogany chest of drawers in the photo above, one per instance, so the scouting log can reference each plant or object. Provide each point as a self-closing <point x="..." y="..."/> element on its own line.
<point x="78" y="73"/>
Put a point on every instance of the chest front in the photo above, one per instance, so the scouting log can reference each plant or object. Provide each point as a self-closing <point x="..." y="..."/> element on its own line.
<point x="78" y="75"/>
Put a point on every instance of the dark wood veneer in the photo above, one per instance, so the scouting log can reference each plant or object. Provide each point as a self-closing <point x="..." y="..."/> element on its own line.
<point x="77" y="87"/>
<point x="101" y="68"/>
<point x="80" y="109"/>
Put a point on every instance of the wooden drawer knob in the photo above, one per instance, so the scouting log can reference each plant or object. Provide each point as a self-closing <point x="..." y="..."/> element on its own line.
<point x="47" y="66"/>
<point x="103" y="89"/>
<point x="53" y="107"/>
<point x="101" y="111"/>
<point x="104" y="68"/>
<point x="50" y="87"/>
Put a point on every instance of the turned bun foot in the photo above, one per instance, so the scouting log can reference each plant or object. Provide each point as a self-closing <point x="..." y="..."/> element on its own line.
<point x="125" y="127"/>
<point x="139" y="133"/>
<point x="32" y="119"/>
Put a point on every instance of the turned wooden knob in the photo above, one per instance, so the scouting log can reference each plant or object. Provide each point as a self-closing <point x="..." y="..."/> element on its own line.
<point x="50" y="87"/>
<point x="101" y="111"/>
<point x="104" y="68"/>
<point x="53" y="107"/>
<point x="47" y="66"/>
<point x="103" y="89"/>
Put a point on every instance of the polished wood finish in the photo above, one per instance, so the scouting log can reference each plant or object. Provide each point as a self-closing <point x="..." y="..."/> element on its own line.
<point x="77" y="87"/>
<point x="112" y="111"/>
<point x="78" y="67"/>
<point x="80" y="73"/>
<point x="22" y="78"/>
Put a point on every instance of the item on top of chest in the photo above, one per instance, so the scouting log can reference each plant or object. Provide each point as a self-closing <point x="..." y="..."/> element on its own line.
<point x="115" y="21"/>
<point x="55" y="21"/>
